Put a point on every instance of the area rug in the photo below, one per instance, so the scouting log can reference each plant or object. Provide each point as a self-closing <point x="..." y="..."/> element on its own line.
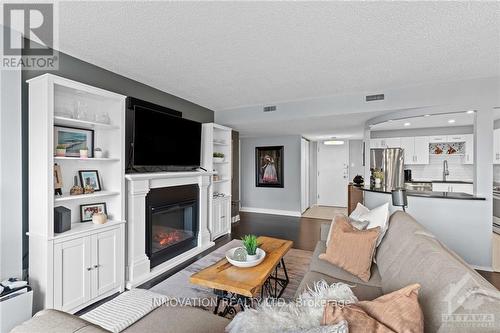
<point x="324" y="212"/>
<point x="177" y="286"/>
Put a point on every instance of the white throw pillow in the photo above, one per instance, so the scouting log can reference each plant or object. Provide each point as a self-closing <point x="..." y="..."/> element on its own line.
<point x="377" y="217"/>
<point x="360" y="210"/>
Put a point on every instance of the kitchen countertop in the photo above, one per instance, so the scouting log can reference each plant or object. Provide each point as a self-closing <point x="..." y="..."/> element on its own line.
<point x="426" y="194"/>
<point x="442" y="181"/>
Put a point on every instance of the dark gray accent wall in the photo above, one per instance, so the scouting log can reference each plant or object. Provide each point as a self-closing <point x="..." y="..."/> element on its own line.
<point x="81" y="71"/>
<point x="286" y="198"/>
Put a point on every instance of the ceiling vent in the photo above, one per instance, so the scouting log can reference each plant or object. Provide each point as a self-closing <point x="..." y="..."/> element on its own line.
<point x="370" y="98"/>
<point x="270" y="108"/>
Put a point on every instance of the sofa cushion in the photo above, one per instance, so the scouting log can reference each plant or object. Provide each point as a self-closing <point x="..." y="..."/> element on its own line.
<point x="166" y="319"/>
<point x="54" y="321"/>
<point x="409" y="254"/>
<point x="363" y="292"/>
<point x="324" y="267"/>
<point x="351" y="249"/>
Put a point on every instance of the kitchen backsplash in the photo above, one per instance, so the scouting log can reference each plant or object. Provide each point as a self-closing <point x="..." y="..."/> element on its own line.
<point x="434" y="170"/>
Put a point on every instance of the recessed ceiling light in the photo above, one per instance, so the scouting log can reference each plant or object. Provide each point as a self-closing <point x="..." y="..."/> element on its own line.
<point x="407" y="124"/>
<point x="427" y="115"/>
<point x="470" y="112"/>
<point x="451" y="121"/>
<point x="333" y="142"/>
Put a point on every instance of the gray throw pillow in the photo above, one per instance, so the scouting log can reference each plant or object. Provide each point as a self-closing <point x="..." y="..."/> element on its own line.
<point x="340" y="327"/>
<point x="360" y="225"/>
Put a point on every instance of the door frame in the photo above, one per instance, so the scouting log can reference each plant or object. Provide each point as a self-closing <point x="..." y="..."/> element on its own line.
<point x="304" y="174"/>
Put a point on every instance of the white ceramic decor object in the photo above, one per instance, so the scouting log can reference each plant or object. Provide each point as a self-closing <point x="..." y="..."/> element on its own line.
<point x="261" y="254"/>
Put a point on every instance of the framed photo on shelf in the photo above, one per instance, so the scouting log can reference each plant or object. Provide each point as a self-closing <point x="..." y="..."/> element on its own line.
<point x="91" y="178"/>
<point x="88" y="210"/>
<point x="74" y="139"/>
<point x="269" y="166"/>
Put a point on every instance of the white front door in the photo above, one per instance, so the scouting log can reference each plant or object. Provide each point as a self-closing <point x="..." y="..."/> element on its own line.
<point x="333" y="174"/>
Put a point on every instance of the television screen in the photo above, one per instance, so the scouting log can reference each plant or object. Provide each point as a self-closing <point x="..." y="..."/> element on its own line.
<point x="161" y="139"/>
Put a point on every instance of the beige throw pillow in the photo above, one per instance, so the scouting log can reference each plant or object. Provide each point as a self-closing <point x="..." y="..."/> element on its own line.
<point x="357" y="319"/>
<point x="351" y="249"/>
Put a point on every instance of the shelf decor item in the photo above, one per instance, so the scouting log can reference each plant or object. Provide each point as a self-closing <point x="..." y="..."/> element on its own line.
<point x="236" y="260"/>
<point x="98" y="153"/>
<point x="73" y="139"/>
<point x="60" y="150"/>
<point x="90" y="178"/>
<point x="58" y="183"/>
<point x="84" y="152"/>
<point x="87" y="211"/>
<point x="76" y="189"/>
<point x="218" y="157"/>
<point x="269" y="166"/>
<point x="99" y="218"/>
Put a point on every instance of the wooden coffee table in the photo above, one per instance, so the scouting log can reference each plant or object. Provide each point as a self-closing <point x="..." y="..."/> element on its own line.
<point x="239" y="286"/>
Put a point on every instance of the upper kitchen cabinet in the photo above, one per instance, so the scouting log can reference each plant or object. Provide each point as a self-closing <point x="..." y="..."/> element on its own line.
<point x="469" y="149"/>
<point x="416" y="149"/>
<point x="385" y="143"/>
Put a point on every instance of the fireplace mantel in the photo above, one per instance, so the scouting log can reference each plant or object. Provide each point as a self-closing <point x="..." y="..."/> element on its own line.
<point x="138" y="186"/>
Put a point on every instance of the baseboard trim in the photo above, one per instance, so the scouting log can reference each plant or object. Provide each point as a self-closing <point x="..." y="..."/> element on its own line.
<point x="483" y="268"/>
<point x="271" y="211"/>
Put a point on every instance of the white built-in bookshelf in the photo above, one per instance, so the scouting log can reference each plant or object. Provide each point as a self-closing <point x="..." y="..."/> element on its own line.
<point x="73" y="269"/>
<point x="217" y="139"/>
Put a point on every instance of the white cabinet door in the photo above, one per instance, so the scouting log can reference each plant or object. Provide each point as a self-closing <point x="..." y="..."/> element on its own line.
<point x="469" y="149"/>
<point x="421" y="150"/>
<point x="393" y="142"/>
<point x="72" y="268"/>
<point x="408" y="145"/>
<point x="226" y="216"/>
<point x="216" y="213"/>
<point x="106" y="256"/>
<point x="441" y="187"/>
<point x="464" y="188"/>
<point x="496" y="146"/>
<point x="437" y="138"/>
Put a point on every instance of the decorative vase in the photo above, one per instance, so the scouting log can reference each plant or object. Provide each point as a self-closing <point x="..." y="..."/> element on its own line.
<point x="99" y="218"/>
<point x="218" y="159"/>
<point x="84" y="153"/>
<point x="378" y="181"/>
<point x="61" y="152"/>
<point x="98" y="153"/>
<point x="252" y="257"/>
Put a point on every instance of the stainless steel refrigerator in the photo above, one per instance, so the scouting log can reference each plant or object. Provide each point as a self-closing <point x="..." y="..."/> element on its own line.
<point x="391" y="162"/>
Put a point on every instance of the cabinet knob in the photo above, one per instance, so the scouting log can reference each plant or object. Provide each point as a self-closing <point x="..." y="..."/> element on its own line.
<point x="97" y="266"/>
<point x="89" y="268"/>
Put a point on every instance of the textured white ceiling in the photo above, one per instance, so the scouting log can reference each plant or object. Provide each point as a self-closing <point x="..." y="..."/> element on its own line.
<point x="229" y="54"/>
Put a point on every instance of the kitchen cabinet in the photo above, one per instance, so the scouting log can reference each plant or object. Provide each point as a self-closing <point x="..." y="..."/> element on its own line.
<point x="456" y="138"/>
<point x="496" y="146"/>
<point x="416" y="150"/>
<point x="469" y="149"/>
<point x="86" y="268"/>
<point x="437" y="139"/>
<point x="453" y="187"/>
<point x="385" y="143"/>
<point x="221" y="217"/>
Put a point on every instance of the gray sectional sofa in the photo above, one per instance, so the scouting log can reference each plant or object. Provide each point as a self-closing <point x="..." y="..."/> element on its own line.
<point x="453" y="297"/>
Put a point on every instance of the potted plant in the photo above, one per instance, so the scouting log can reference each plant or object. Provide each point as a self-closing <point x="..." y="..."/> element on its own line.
<point x="218" y="157"/>
<point x="250" y="243"/>
<point x="84" y="152"/>
<point x="378" y="175"/>
<point x="61" y="150"/>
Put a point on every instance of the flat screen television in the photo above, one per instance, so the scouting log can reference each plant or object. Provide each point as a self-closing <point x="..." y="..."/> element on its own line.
<point x="163" y="140"/>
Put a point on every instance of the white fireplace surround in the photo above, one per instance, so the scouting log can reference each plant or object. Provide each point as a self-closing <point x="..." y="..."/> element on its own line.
<point x="138" y="186"/>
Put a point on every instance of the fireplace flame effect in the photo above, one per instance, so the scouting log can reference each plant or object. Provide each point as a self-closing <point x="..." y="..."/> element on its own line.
<point x="167" y="238"/>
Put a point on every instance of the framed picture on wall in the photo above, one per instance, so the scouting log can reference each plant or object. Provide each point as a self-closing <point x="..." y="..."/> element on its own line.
<point x="269" y="166"/>
<point x="87" y="211"/>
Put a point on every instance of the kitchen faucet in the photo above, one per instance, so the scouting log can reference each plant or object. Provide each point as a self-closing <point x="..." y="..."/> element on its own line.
<point x="446" y="172"/>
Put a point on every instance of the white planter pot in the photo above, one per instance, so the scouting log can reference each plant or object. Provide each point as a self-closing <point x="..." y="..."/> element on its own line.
<point x="378" y="181"/>
<point x="61" y="152"/>
<point x="252" y="257"/>
<point x="84" y="153"/>
<point x="98" y="154"/>
<point x="218" y="159"/>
